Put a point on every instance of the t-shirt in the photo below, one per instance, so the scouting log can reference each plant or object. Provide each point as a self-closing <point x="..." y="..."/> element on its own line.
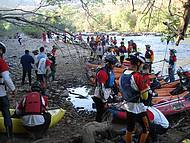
<point x="157" y="117"/>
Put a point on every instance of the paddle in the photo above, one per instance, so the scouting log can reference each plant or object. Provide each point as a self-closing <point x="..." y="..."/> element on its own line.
<point x="158" y="61"/>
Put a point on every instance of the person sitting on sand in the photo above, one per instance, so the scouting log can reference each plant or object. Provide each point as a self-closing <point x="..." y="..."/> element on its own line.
<point x="33" y="111"/>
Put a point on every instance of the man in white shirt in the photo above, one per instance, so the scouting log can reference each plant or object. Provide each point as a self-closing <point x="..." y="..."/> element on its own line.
<point x="158" y="123"/>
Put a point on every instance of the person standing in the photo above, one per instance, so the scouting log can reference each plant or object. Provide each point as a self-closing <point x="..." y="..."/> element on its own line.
<point x="42" y="67"/>
<point x="122" y="51"/>
<point x="105" y="84"/>
<point x="88" y="39"/>
<point x="4" y="102"/>
<point x="93" y="47"/>
<point x="107" y="40"/>
<point x="133" y="89"/>
<point x="149" y="56"/>
<point x="43" y="38"/>
<point x="19" y="38"/>
<point x="26" y="61"/>
<point x="172" y="64"/>
<point x="52" y="67"/>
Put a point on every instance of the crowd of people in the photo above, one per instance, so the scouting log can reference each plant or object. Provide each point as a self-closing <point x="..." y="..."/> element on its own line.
<point x="33" y="107"/>
<point x="133" y="85"/>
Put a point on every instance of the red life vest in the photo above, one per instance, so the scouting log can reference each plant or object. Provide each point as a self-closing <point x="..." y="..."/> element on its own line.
<point x="33" y="104"/>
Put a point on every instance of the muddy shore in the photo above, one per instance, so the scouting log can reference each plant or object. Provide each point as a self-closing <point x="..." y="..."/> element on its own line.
<point x="70" y="73"/>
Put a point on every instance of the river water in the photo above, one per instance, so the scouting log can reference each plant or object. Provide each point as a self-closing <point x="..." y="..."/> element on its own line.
<point x="160" y="50"/>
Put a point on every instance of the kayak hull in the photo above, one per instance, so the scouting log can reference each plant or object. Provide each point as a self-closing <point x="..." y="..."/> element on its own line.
<point x="56" y="116"/>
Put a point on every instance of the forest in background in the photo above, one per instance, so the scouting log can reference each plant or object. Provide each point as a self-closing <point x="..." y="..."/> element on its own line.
<point x="104" y="16"/>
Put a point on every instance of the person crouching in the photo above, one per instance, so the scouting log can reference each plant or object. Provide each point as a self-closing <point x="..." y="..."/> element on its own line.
<point x="32" y="108"/>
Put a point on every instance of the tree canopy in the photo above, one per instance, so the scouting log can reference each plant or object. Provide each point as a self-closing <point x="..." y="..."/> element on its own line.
<point x="101" y="15"/>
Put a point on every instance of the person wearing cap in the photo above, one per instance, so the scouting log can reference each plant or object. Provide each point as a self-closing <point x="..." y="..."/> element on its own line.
<point x="133" y="89"/>
<point x="149" y="56"/>
<point x="105" y="84"/>
<point x="26" y="61"/>
<point x="33" y="111"/>
<point x="172" y="64"/>
<point x="4" y="102"/>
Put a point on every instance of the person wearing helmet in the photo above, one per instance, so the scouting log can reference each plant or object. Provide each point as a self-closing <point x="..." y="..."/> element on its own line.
<point x="172" y="64"/>
<point x="33" y="112"/>
<point x="134" y="89"/>
<point x="4" y="102"/>
<point x="105" y="84"/>
<point x="149" y="56"/>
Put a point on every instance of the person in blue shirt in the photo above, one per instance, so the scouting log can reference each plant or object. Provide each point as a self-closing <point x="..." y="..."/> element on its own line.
<point x="26" y="61"/>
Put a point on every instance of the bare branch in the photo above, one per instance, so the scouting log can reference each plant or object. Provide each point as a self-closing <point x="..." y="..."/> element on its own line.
<point x="169" y="8"/>
<point x="85" y="7"/>
<point x="150" y="5"/>
<point x="133" y="6"/>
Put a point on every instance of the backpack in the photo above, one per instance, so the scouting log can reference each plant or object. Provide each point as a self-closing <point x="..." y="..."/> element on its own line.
<point x="129" y="94"/>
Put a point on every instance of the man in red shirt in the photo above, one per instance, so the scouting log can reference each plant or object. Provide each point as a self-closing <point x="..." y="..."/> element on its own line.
<point x="105" y="85"/>
<point x="4" y="102"/>
<point x="133" y="89"/>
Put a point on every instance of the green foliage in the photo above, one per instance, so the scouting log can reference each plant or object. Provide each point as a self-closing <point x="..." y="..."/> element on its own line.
<point x="32" y="31"/>
<point x="6" y="29"/>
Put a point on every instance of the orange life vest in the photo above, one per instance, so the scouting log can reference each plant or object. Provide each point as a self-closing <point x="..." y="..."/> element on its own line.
<point x="33" y="104"/>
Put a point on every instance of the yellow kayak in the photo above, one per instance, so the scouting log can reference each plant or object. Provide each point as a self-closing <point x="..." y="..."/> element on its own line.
<point x="56" y="115"/>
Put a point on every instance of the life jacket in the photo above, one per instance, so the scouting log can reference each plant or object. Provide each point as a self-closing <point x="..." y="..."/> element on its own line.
<point x="111" y="77"/>
<point x="149" y="55"/>
<point x="129" y="94"/>
<point x="3" y="67"/>
<point x="172" y="60"/>
<point x="33" y="104"/>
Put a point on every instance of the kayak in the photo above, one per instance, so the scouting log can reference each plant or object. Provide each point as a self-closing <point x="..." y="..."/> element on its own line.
<point x="56" y="115"/>
<point x="168" y="108"/>
<point x="164" y="92"/>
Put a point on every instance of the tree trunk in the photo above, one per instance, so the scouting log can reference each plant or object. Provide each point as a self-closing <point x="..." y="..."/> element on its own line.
<point x="184" y="22"/>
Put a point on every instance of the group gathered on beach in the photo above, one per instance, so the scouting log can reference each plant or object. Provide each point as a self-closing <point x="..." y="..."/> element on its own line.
<point x="134" y="86"/>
